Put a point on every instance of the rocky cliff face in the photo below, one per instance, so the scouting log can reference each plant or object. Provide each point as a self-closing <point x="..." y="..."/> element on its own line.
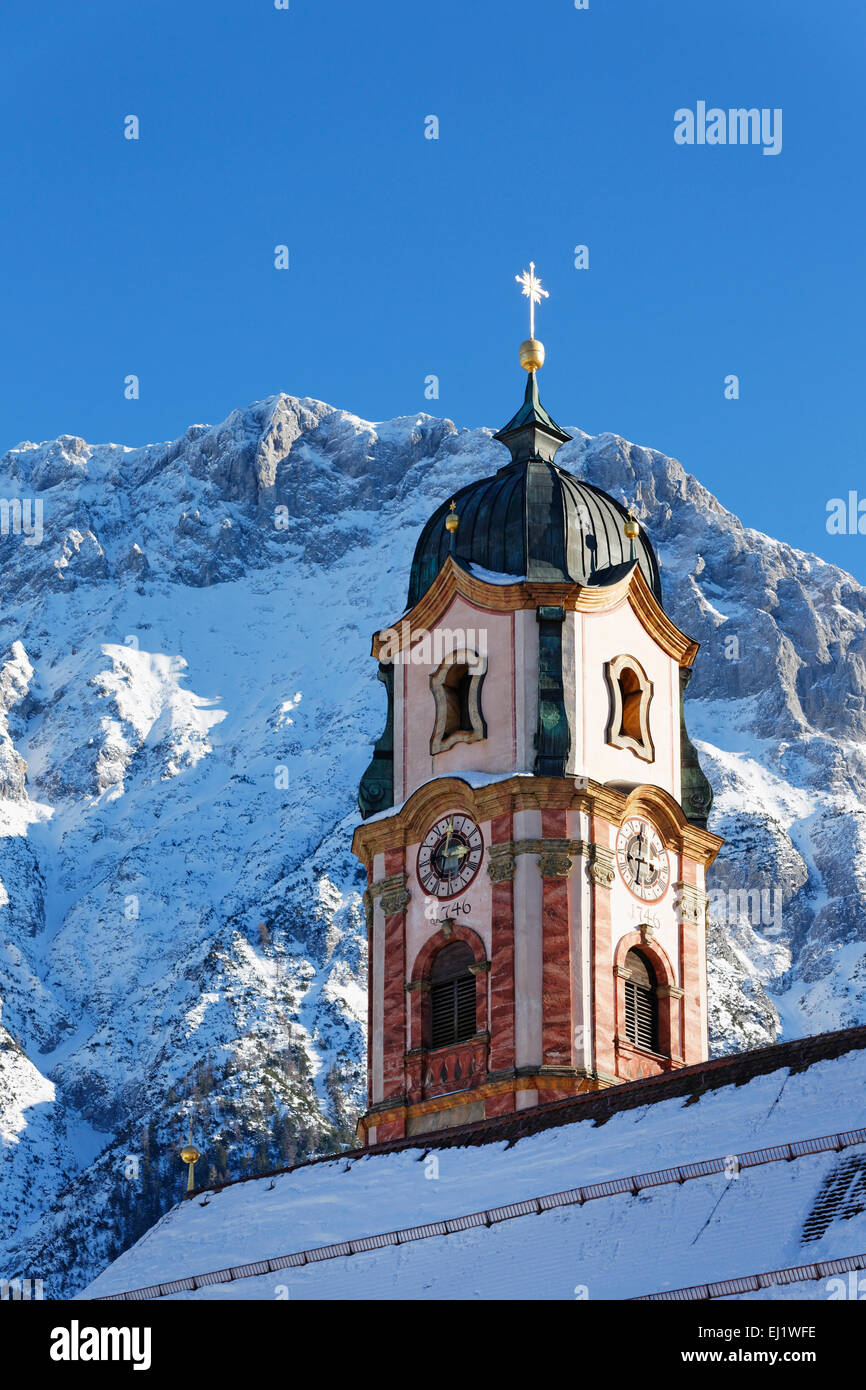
<point x="186" y="706"/>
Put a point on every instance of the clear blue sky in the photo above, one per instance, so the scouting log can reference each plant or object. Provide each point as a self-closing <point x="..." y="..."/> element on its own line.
<point x="306" y="127"/>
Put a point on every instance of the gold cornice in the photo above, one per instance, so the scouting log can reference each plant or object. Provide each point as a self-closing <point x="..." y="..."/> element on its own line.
<point x="453" y="579"/>
<point x="701" y="845"/>
<point x="669" y="819"/>
<point x="520" y="793"/>
<point x="653" y="617"/>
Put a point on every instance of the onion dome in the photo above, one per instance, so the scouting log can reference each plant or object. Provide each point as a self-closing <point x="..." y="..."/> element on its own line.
<point x="533" y="519"/>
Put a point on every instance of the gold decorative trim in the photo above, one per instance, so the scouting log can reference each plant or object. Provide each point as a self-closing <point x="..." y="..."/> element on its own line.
<point x="602" y="866"/>
<point x="554" y="857"/>
<point x="500" y="862"/>
<point x="554" y="864"/>
<point x="408" y="825"/>
<point x="690" y="903"/>
<point x="392" y="893"/>
<point x="452" y="579"/>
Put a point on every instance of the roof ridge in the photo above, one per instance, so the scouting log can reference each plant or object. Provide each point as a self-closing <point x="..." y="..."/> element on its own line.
<point x="508" y="1211"/>
<point x="733" y="1069"/>
<point x="751" y="1283"/>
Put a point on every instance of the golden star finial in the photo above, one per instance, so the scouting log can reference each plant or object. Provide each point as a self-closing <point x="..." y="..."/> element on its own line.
<point x="533" y="292"/>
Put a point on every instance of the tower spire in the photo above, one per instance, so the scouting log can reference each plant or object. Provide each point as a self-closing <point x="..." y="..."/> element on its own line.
<point x="531" y="433"/>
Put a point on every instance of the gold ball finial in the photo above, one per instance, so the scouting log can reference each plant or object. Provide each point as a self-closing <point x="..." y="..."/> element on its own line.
<point x="452" y="520"/>
<point x="631" y="528"/>
<point x="190" y="1156"/>
<point x="531" y="355"/>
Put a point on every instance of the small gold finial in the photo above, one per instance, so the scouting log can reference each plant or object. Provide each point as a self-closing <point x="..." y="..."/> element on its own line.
<point x="190" y="1156"/>
<point x="452" y="520"/>
<point x="632" y="531"/>
<point x="532" y="351"/>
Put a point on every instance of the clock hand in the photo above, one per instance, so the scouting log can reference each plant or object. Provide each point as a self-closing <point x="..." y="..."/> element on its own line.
<point x="447" y="853"/>
<point x="641" y="860"/>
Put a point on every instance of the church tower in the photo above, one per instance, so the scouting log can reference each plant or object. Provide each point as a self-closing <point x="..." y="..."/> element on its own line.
<point x="534" y="813"/>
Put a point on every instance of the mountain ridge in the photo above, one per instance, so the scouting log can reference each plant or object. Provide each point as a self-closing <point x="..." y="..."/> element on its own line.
<point x="187" y="703"/>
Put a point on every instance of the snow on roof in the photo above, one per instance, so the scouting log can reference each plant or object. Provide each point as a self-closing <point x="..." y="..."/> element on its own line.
<point x="739" y="1221"/>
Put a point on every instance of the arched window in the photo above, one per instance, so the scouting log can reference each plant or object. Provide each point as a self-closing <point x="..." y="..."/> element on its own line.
<point x="641" y="1004"/>
<point x="452" y="996"/>
<point x="456" y="687"/>
<point x="631" y="693"/>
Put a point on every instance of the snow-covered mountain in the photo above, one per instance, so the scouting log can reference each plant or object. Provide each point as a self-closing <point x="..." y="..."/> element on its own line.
<point x="187" y="703"/>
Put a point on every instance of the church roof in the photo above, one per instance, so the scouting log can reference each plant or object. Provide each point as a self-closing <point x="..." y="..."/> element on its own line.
<point x="753" y="1167"/>
<point x="532" y="518"/>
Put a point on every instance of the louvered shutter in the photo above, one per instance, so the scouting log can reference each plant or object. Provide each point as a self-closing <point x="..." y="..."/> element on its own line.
<point x="452" y="996"/>
<point x="442" y="1013"/>
<point x="465" y="1007"/>
<point x="641" y="1006"/>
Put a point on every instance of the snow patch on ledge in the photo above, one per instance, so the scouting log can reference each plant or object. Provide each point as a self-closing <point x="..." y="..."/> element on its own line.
<point x="472" y="779"/>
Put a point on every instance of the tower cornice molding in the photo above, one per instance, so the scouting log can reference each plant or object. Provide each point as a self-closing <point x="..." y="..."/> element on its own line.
<point x="521" y="792"/>
<point x="453" y="579"/>
<point x="554" y="855"/>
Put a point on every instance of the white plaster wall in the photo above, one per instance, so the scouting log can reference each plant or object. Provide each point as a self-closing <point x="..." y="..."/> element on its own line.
<point x="509" y="701"/>
<point x="526" y="661"/>
<point x="598" y="638"/>
<point x="399" y="722"/>
<point x="527" y="943"/>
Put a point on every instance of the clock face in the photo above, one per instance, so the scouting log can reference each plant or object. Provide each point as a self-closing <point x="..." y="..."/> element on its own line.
<point x="450" y="856"/>
<point x="642" y="860"/>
